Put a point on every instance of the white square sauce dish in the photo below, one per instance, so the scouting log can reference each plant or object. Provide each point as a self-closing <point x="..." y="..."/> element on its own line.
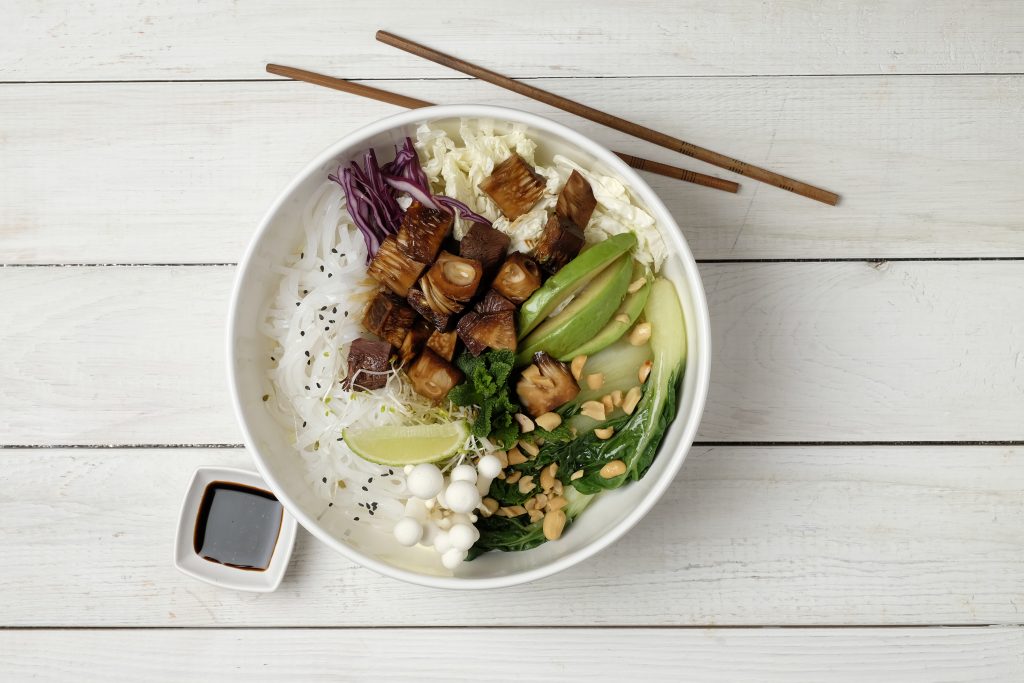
<point x="233" y="532"/>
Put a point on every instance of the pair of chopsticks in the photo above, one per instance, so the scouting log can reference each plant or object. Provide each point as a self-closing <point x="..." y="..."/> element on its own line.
<point x="596" y="115"/>
<point x="413" y="103"/>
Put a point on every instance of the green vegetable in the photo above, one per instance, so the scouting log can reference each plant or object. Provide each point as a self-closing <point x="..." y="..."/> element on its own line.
<point x="518" y="533"/>
<point x="635" y="440"/>
<point x="627" y="314"/>
<point x="619" y="364"/>
<point x="570" y="279"/>
<point x="559" y="434"/>
<point x="487" y="388"/>
<point x="583" y="317"/>
<point x="636" y="437"/>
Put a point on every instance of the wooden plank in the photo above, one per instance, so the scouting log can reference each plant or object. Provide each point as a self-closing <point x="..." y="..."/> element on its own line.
<point x="128" y="39"/>
<point x="913" y="655"/>
<point x="745" y="536"/>
<point x="900" y="351"/>
<point x="182" y="173"/>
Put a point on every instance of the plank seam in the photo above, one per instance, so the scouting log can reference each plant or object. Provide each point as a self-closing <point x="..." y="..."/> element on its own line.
<point x="699" y="444"/>
<point x="492" y="627"/>
<point x="916" y="74"/>
<point x="851" y="259"/>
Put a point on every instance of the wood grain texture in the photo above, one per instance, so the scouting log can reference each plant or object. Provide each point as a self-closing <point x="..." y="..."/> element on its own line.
<point x="133" y="39"/>
<point x="733" y="656"/>
<point x="899" y="351"/>
<point x="183" y="172"/>
<point x="745" y="535"/>
<point x="605" y="119"/>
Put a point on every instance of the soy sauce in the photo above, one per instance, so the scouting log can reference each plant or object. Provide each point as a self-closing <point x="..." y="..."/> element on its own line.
<point x="237" y="526"/>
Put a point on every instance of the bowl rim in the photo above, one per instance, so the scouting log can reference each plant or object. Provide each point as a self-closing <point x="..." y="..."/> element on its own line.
<point x="701" y="330"/>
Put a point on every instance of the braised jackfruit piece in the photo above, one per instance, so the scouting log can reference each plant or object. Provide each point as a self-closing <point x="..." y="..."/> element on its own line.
<point x="518" y="278"/>
<point x="546" y="385"/>
<point x="479" y="331"/>
<point x="393" y="268"/>
<point x="414" y="340"/>
<point x="493" y="302"/>
<point x="558" y="244"/>
<point x="443" y="343"/>
<point x="432" y="376"/>
<point x="422" y="232"/>
<point x="576" y="201"/>
<point x="450" y="282"/>
<point x="388" y="317"/>
<point x="439" y="321"/>
<point x="514" y="186"/>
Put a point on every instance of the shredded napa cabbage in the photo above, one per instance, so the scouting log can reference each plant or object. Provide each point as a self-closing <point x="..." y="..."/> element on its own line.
<point x="456" y="167"/>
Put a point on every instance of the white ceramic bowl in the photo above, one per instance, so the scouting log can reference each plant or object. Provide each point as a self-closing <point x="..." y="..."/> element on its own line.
<point x="609" y="517"/>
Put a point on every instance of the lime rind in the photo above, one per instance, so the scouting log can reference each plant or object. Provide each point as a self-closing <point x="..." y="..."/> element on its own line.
<point x="408" y="444"/>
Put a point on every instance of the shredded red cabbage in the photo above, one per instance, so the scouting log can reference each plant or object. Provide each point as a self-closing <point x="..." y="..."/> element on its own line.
<point x="453" y="204"/>
<point x="372" y="192"/>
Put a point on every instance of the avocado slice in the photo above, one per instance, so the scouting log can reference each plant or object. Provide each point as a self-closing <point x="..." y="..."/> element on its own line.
<point x="571" y="279"/>
<point x="583" y="317"/>
<point x="631" y="308"/>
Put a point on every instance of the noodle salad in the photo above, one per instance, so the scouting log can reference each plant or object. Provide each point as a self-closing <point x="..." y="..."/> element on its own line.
<point x="468" y="346"/>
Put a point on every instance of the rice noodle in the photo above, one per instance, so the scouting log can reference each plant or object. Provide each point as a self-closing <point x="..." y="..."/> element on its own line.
<point x="317" y="311"/>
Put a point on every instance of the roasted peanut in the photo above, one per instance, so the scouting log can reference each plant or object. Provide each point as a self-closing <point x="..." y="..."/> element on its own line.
<point x="613" y="469"/>
<point x="549" y="421"/>
<point x="640" y="334"/>
<point x="554" y="524"/>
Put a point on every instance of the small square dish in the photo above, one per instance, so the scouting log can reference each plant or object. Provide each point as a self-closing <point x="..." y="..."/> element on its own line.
<point x="233" y="532"/>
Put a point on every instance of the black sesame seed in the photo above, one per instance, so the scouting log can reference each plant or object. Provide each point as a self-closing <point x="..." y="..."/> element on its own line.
<point x="324" y="480"/>
<point x="390" y="471"/>
<point x="266" y="397"/>
<point x="305" y="291"/>
<point x="303" y="423"/>
<point x="330" y="274"/>
<point x="334" y="310"/>
<point x="307" y="387"/>
<point x="334" y="251"/>
<point x="321" y="317"/>
<point x="318" y="385"/>
<point x="330" y="505"/>
<point x="327" y="329"/>
<point x="346" y="314"/>
<point x="323" y="308"/>
<point x="343" y="255"/>
<point x="340" y="439"/>
<point x="307" y="354"/>
<point x="370" y="480"/>
<point x="273" y="359"/>
<point x="332" y="321"/>
<point x="297" y="303"/>
<point x="302" y="333"/>
<point x="355" y="519"/>
<point x="321" y="269"/>
<point x="365" y="489"/>
<point x="302" y="254"/>
<point x="309" y="362"/>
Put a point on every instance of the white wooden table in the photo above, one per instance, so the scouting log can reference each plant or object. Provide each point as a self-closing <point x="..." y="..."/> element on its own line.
<point x="854" y="507"/>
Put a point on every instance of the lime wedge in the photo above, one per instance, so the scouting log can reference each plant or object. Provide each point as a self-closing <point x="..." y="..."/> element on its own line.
<point x="409" y="445"/>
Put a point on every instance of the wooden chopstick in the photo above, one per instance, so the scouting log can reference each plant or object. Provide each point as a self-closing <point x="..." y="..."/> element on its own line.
<point x="413" y="103"/>
<point x="604" y="118"/>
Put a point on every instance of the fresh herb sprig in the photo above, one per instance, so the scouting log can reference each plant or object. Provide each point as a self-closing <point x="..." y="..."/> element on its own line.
<point x="487" y="389"/>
